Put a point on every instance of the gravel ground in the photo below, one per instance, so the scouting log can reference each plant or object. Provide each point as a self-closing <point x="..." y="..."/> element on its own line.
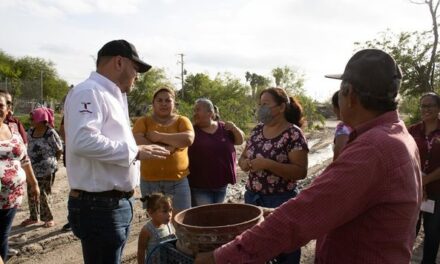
<point x="37" y="244"/>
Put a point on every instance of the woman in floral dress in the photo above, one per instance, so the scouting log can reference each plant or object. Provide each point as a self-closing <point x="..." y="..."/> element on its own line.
<point x="275" y="155"/>
<point x="44" y="149"/>
<point x="13" y="177"/>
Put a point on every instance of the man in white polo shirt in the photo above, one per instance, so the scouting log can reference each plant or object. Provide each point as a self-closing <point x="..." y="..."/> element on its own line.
<point x="102" y="154"/>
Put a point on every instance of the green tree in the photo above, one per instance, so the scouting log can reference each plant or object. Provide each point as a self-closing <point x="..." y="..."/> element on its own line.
<point x="7" y="69"/>
<point x="289" y="78"/>
<point x="257" y="83"/>
<point x="431" y="65"/>
<point x="42" y="71"/>
<point x="9" y="75"/>
<point x="313" y="117"/>
<point x="225" y="91"/>
<point x="411" y="50"/>
<point x="198" y="85"/>
<point x="142" y="95"/>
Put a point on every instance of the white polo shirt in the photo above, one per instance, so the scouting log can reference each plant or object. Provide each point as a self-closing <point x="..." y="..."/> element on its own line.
<point x="100" y="147"/>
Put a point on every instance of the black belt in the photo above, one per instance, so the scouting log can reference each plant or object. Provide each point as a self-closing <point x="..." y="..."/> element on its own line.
<point x="108" y="194"/>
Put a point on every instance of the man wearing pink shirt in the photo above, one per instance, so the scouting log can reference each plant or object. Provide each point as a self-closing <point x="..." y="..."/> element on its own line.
<point x="364" y="206"/>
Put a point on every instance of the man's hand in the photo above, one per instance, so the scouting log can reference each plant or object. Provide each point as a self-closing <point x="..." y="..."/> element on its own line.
<point x="152" y="152"/>
<point x="266" y="211"/>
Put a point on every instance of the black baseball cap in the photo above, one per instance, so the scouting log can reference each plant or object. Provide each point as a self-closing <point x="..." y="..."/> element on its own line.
<point x="125" y="49"/>
<point x="374" y="71"/>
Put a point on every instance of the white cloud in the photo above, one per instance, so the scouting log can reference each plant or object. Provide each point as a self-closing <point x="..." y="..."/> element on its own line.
<point x="216" y="36"/>
<point x="61" y="8"/>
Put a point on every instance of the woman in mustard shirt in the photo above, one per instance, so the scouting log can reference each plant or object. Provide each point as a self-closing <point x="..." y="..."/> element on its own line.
<point x="175" y="132"/>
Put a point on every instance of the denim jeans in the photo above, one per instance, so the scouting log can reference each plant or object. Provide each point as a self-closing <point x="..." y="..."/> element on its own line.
<point x="207" y="196"/>
<point x="102" y="224"/>
<point x="6" y="218"/>
<point x="273" y="201"/>
<point x="431" y="226"/>
<point x="178" y="190"/>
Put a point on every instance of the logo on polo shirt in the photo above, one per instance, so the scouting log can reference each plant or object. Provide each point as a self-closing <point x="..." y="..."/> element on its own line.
<point x="85" y="110"/>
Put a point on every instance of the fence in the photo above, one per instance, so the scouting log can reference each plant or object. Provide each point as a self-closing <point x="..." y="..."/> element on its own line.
<point x="27" y="95"/>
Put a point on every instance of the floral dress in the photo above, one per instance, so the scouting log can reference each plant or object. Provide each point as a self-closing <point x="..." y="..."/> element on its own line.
<point x="42" y="152"/>
<point x="277" y="149"/>
<point x="342" y="129"/>
<point x="13" y="178"/>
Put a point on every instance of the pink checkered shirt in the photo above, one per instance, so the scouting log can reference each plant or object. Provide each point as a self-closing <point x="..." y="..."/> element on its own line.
<point x="362" y="209"/>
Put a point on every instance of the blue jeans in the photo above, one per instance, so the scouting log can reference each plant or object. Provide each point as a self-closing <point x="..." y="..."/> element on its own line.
<point x="178" y="190"/>
<point x="207" y="196"/>
<point x="431" y="225"/>
<point x="6" y="218"/>
<point x="273" y="201"/>
<point x="102" y="224"/>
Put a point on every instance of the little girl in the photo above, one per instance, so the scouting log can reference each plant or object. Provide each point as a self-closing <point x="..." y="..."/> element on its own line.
<point x="158" y="228"/>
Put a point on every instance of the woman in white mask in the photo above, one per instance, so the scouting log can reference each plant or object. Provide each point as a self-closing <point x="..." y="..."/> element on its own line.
<point x="275" y="155"/>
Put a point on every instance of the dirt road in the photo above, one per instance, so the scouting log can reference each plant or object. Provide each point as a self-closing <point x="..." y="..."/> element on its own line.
<point x="37" y="244"/>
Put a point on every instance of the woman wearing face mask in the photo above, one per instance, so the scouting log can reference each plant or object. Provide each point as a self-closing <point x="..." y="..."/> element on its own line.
<point x="275" y="155"/>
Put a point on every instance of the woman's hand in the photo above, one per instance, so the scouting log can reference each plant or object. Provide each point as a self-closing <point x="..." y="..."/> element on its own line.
<point x="35" y="193"/>
<point x="31" y="180"/>
<point x="153" y="136"/>
<point x="230" y="126"/>
<point x="258" y="164"/>
<point x="171" y="149"/>
<point x="245" y="164"/>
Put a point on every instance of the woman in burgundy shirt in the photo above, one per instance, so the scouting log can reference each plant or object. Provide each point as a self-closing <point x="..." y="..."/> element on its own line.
<point x="212" y="155"/>
<point x="275" y="155"/>
<point x="427" y="136"/>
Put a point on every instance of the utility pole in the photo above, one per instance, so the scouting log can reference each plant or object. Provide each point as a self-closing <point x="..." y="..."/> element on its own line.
<point x="41" y="84"/>
<point x="182" y="71"/>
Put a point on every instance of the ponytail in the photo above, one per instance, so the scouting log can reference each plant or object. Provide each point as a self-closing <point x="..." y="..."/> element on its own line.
<point x="294" y="112"/>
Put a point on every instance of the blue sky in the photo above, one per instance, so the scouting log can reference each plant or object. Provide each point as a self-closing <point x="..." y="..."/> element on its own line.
<point x="314" y="36"/>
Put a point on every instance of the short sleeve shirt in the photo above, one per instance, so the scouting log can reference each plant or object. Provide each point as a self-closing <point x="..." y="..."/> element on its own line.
<point x="12" y="176"/>
<point x="42" y="152"/>
<point x="429" y="149"/>
<point x="175" y="166"/>
<point x="276" y="149"/>
<point x="212" y="159"/>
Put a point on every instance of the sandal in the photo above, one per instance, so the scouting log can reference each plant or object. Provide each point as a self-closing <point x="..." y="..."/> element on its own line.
<point x="29" y="222"/>
<point x="50" y="223"/>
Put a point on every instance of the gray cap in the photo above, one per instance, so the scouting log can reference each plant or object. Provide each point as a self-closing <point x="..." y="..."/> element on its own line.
<point x="372" y="72"/>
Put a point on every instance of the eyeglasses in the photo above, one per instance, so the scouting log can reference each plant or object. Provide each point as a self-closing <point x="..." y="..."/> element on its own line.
<point x="428" y="106"/>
